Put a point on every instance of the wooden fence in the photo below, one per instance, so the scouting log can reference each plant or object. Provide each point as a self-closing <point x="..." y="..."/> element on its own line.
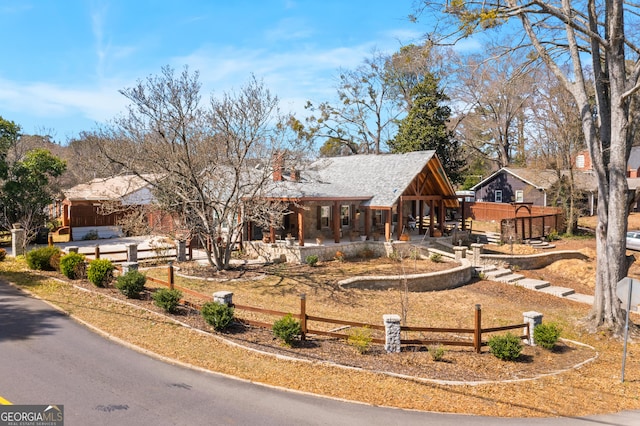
<point x="475" y="333"/>
<point x="161" y="253"/>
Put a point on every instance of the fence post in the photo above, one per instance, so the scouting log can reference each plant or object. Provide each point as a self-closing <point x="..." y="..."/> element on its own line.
<point x="50" y="239"/>
<point x="392" y="331"/>
<point x="132" y="252"/>
<point x="190" y="249"/>
<point x="476" y="248"/>
<point x="181" y="250"/>
<point x="531" y="318"/>
<point x="223" y="297"/>
<point x="97" y="252"/>
<point x="477" y="330"/>
<point x="170" y="273"/>
<point x="17" y="240"/>
<point x="303" y="316"/>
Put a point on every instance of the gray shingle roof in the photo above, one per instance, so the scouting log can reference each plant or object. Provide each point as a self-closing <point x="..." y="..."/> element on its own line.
<point x="380" y="179"/>
<point x="545" y="178"/>
<point x="101" y="189"/>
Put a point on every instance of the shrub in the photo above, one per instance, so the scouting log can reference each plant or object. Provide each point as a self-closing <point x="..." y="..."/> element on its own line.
<point x="72" y="265"/>
<point x="436" y="257"/>
<point x="287" y="329"/>
<point x="54" y="260"/>
<point x="546" y="335"/>
<point x="506" y="347"/>
<point x="437" y="353"/>
<point x="130" y="284"/>
<point x="217" y="315"/>
<point x="91" y="235"/>
<point x="167" y="299"/>
<point x="40" y="258"/>
<point x="360" y="338"/>
<point x="3" y="254"/>
<point x="311" y="260"/>
<point x="100" y="272"/>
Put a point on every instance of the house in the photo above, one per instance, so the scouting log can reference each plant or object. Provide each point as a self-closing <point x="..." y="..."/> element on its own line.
<point x="80" y="207"/>
<point x="363" y="195"/>
<point x="524" y="185"/>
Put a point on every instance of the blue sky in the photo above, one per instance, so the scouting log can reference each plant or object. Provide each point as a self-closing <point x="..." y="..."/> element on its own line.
<point x="64" y="61"/>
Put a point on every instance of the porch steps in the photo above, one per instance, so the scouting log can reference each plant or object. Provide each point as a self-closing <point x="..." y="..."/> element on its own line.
<point x="509" y="278"/>
<point x="558" y="291"/>
<point x="493" y="237"/>
<point x="494" y="274"/>
<point x="532" y="284"/>
<point x="540" y="244"/>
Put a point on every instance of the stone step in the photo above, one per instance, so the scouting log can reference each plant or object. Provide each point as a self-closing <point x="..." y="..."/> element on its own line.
<point x="497" y="273"/>
<point x="558" y="291"/>
<point x="533" y="284"/>
<point x="486" y="268"/>
<point x="582" y="298"/>
<point x="509" y="279"/>
<point x="549" y="246"/>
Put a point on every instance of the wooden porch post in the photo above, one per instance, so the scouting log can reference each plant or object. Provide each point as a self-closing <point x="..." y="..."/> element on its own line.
<point x="300" y="227"/>
<point x="272" y="234"/>
<point x="464" y="218"/>
<point x="367" y="223"/>
<point x="430" y="218"/>
<point x="441" y="215"/>
<point x="336" y="222"/>
<point x="387" y="226"/>
<point x="420" y="215"/>
<point x="400" y="218"/>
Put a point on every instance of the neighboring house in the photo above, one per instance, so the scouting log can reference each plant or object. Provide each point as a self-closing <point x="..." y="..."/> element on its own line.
<point x="81" y="204"/>
<point x="523" y="185"/>
<point x="363" y="195"/>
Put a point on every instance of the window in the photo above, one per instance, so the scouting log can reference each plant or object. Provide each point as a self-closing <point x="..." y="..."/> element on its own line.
<point x="325" y="216"/>
<point x="498" y="196"/>
<point x="580" y="161"/>
<point x="519" y="196"/>
<point x="345" y="215"/>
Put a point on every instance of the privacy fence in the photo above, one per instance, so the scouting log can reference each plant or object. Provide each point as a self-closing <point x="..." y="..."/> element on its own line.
<point x="311" y="324"/>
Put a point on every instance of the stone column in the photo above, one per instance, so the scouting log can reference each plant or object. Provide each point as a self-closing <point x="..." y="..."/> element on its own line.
<point x="132" y="252"/>
<point x="460" y="252"/>
<point x="476" y="248"/>
<point x="223" y="297"/>
<point x="129" y="266"/>
<point x="17" y="240"/>
<point x="532" y="318"/>
<point x="181" y="250"/>
<point x="392" y="332"/>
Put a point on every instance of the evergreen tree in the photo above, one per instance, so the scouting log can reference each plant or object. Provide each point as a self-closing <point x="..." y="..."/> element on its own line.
<point x="425" y="128"/>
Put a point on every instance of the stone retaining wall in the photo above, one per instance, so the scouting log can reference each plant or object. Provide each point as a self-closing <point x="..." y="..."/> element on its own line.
<point x="432" y="281"/>
<point x="297" y="254"/>
<point x="532" y="261"/>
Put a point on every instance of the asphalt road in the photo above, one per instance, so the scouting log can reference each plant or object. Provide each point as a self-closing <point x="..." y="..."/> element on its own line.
<point x="48" y="358"/>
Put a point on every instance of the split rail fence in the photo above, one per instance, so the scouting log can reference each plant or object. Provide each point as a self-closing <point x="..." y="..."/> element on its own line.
<point x="474" y="340"/>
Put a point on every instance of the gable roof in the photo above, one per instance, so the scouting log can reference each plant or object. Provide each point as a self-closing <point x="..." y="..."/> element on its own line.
<point x="544" y="179"/>
<point x="101" y="189"/>
<point x="379" y="180"/>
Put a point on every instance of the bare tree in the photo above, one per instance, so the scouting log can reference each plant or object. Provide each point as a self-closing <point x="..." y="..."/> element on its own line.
<point x="203" y="162"/>
<point x="577" y="33"/>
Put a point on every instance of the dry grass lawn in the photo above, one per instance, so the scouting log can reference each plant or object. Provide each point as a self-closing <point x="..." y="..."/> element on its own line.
<point x="593" y="388"/>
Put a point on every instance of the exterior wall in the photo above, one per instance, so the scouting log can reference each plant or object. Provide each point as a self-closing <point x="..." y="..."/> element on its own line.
<point x="103" y="232"/>
<point x="509" y="184"/>
<point x="297" y="254"/>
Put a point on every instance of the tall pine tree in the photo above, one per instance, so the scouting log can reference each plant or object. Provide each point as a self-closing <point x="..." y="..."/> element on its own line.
<point x="425" y="128"/>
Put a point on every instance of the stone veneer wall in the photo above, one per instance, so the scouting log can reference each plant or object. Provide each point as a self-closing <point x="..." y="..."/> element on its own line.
<point x="532" y="261"/>
<point x="433" y="281"/>
<point x="297" y="254"/>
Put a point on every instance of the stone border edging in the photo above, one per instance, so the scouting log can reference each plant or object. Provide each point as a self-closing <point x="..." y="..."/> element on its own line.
<point x="534" y="261"/>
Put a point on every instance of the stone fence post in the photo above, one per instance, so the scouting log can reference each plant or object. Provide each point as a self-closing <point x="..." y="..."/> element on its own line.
<point x="392" y="333"/>
<point x="181" y="250"/>
<point x="129" y="266"/>
<point x="476" y="248"/>
<point x="460" y="253"/>
<point x="223" y="297"/>
<point x="132" y="252"/>
<point x="17" y="240"/>
<point x="532" y="318"/>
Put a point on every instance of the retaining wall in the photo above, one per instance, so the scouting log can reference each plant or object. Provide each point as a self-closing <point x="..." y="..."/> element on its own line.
<point x="532" y="261"/>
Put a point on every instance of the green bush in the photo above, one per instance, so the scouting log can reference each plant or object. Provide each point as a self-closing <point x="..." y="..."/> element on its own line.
<point x="72" y="265"/>
<point x="167" y="299"/>
<point x="311" y="260"/>
<point x="546" y="335"/>
<point x="217" y="315"/>
<point x="436" y="257"/>
<point x="286" y="329"/>
<point x="360" y="338"/>
<point x="131" y="284"/>
<point x="506" y="347"/>
<point x="3" y="254"/>
<point x="40" y="258"/>
<point x="437" y="353"/>
<point x="100" y="272"/>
